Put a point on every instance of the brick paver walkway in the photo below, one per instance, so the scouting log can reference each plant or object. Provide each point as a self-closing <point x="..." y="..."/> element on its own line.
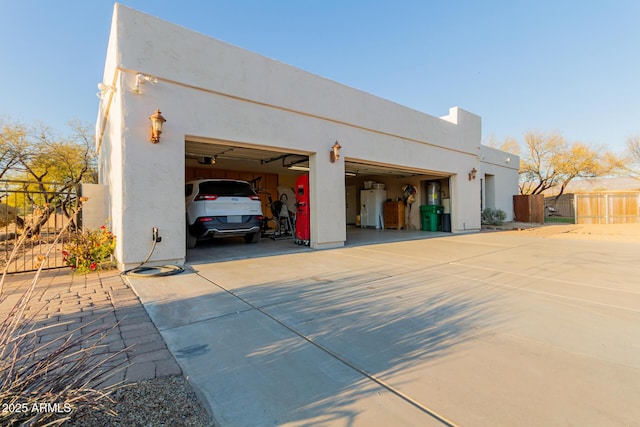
<point x="63" y="302"/>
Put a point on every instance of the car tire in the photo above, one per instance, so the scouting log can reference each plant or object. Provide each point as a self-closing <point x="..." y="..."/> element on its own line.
<point x="252" y="238"/>
<point x="192" y="240"/>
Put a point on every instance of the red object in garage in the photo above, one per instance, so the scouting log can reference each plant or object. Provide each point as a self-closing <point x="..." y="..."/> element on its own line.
<point x="303" y="224"/>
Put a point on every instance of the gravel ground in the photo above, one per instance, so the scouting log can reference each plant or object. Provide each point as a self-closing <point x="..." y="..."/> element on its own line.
<point x="166" y="401"/>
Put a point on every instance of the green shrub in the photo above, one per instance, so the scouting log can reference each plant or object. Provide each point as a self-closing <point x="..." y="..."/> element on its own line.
<point x="89" y="250"/>
<point x="493" y="216"/>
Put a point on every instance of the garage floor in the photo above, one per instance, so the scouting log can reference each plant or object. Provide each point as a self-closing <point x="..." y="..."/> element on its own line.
<point x="228" y="249"/>
<point x="498" y="328"/>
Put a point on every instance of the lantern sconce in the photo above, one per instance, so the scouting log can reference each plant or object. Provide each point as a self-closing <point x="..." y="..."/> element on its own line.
<point x="472" y="174"/>
<point x="156" y="126"/>
<point x="334" y="154"/>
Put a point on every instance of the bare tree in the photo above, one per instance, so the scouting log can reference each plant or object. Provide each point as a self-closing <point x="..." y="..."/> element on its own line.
<point x="548" y="160"/>
<point x="50" y="165"/>
<point x="13" y="139"/>
<point x="510" y="144"/>
<point x="632" y="160"/>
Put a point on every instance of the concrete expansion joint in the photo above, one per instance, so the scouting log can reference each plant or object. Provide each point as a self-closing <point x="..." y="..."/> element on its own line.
<point x="207" y="319"/>
<point x="309" y="339"/>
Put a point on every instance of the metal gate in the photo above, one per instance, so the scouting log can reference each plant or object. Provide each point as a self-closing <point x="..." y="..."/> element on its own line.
<point x="32" y="215"/>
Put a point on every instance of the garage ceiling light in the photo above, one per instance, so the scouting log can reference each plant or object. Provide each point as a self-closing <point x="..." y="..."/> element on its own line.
<point x="207" y="160"/>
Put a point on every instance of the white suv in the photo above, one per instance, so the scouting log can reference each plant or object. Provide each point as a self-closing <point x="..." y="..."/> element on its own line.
<point x="222" y="208"/>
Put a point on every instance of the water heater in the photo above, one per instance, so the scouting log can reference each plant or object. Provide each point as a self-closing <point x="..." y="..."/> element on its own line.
<point x="433" y="193"/>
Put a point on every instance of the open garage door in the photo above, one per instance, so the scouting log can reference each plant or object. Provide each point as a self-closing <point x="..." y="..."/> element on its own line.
<point x="271" y="172"/>
<point x="384" y="202"/>
<point x="274" y="172"/>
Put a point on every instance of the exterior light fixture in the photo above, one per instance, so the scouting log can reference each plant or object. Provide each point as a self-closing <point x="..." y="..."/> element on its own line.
<point x="472" y="174"/>
<point x="104" y="89"/>
<point x="334" y="154"/>
<point x="156" y="126"/>
<point x="140" y="80"/>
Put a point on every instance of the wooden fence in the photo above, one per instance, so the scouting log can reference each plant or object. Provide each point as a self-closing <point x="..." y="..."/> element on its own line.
<point x="528" y="208"/>
<point x="607" y="208"/>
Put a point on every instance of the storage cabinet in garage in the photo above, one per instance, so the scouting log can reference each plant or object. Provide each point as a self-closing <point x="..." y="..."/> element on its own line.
<point x="394" y="215"/>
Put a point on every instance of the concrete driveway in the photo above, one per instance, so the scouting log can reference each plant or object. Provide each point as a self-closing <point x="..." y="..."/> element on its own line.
<point x="493" y="328"/>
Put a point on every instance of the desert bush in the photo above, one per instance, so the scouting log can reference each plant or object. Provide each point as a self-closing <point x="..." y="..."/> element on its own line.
<point x="90" y="250"/>
<point x="493" y="216"/>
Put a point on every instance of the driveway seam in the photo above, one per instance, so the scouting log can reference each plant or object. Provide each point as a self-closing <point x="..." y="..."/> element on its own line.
<point x="428" y="411"/>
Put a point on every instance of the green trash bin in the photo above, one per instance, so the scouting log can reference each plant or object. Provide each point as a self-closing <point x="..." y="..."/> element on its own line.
<point x="430" y="215"/>
<point x="424" y="216"/>
<point x="434" y="222"/>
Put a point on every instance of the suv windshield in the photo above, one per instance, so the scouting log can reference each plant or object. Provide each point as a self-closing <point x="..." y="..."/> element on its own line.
<point x="226" y="188"/>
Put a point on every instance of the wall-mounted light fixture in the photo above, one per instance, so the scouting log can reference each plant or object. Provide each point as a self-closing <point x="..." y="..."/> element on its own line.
<point x="156" y="126"/>
<point x="507" y="160"/>
<point x="472" y="174"/>
<point x="142" y="79"/>
<point x="334" y="154"/>
<point x="104" y="89"/>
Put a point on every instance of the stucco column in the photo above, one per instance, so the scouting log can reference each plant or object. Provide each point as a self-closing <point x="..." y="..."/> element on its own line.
<point x="152" y="189"/>
<point x="327" y="196"/>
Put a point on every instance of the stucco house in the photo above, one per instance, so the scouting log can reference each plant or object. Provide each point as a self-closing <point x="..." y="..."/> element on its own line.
<point x="267" y="121"/>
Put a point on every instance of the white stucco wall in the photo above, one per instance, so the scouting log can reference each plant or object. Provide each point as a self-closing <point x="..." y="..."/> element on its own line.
<point x="210" y="89"/>
<point x="95" y="208"/>
<point x="503" y="168"/>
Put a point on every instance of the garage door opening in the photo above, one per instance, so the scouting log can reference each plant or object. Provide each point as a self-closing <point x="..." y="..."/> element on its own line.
<point x="272" y="174"/>
<point x="389" y="203"/>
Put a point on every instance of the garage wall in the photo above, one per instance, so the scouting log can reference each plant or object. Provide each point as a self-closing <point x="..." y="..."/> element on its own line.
<point x="209" y="89"/>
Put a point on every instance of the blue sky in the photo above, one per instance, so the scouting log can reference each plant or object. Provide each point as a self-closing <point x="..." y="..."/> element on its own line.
<point x="566" y="66"/>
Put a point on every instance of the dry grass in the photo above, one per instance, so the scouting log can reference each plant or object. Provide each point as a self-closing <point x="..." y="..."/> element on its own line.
<point x="43" y="383"/>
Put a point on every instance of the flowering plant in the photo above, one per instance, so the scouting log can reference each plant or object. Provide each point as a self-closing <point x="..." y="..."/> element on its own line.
<point x="89" y="250"/>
